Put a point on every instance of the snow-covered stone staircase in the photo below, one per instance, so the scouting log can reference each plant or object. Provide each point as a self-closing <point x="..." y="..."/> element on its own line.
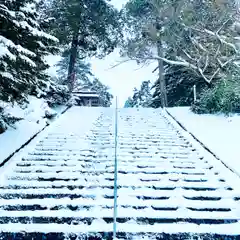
<point x="169" y="187"/>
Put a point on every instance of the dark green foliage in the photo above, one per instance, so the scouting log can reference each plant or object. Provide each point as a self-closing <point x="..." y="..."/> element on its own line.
<point x="3" y="125"/>
<point x="103" y="91"/>
<point x="142" y="97"/>
<point x="129" y="103"/>
<point x="50" y="114"/>
<point x="180" y="82"/>
<point x="23" y="45"/>
<point x="57" y="94"/>
<point x="83" y="71"/>
<point x="224" y="97"/>
<point x="96" y="23"/>
<point x="7" y="120"/>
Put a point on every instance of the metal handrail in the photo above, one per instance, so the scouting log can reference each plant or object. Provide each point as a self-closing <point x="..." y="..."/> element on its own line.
<point x="115" y="174"/>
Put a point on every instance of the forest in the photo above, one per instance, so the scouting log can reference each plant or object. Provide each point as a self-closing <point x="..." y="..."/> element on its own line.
<point x="194" y="45"/>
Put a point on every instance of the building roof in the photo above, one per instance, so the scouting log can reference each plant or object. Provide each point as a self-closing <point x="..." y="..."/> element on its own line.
<point x="90" y="94"/>
<point x="83" y="89"/>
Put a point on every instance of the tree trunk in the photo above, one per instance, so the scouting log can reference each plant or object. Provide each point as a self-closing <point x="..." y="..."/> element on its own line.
<point x="72" y="62"/>
<point x="162" y="82"/>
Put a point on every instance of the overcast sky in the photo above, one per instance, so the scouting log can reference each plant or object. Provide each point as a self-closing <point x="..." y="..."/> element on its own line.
<point x="121" y="79"/>
<point x="125" y="77"/>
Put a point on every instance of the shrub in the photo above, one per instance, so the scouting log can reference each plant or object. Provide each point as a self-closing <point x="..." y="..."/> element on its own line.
<point x="7" y="120"/>
<point x="56" y="94"/>
<point x="224" y="97"/>
<point x="3" y="126"/>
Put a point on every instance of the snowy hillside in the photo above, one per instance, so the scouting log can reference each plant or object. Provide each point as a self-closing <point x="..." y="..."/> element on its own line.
<point x="34" y="119"/>
<point x="218" y="132"/>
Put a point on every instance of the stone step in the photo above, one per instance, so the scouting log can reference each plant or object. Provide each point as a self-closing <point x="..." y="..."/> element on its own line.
<point x="168" y="188"/>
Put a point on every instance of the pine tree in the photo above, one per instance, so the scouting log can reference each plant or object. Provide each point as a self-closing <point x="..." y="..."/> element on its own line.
<point x="145" y="94"/>
<point x="103" y="91"/>
<point x="142" y="97"/>
<point x="84" y="77"/>
<point x="129" y="103"/>
<point x="89" y="27"/>
<point x="83" y="71"/>
<point x="23" y="45"/>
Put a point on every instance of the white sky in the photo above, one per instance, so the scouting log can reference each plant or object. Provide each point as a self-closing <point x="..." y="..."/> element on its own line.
<point x="124" y="78"/>
<point x="121" y="79"/>
<point x="119" y="3"/>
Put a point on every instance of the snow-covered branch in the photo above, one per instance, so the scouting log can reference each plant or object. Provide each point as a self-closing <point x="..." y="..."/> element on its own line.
<point x="221" y="38"/>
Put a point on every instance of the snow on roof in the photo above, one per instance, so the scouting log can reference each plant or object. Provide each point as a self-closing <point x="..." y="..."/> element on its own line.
<point x="83" y="89"/>
<point x="87" y="95"/>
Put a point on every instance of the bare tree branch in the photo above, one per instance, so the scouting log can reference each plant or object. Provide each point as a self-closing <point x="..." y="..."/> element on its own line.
<point x="220" y="38"/>
<point x="120" y="63"/>
<point x="205" y="78"/>
<point x="223" y="25"/>
<point x="188" y="55"/>
<point x="198" y="45"/>
<point x="155" y="69"/>
<point x="217" y="52"/>
<point x="222" y="65"/>
<point x="216" y="72"/>
<point x="206" y="64"/>
<point x="182" y="63"/>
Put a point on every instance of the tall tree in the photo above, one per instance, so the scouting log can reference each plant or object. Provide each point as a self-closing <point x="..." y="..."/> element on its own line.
<point x="83" y="71"/>
<point x="23" y="45"/>
<point x="90" y="27"/>
<point x="195" y="35"/>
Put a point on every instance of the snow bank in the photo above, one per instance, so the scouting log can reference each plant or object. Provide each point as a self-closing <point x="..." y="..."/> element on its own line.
<point x="218" y="132"/>
<point x="13" y="139"/>
<point x="34" y="121"/>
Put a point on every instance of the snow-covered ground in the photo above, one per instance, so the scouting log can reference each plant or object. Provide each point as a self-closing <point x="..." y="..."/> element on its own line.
<point x="62" y="185"/>
<point x="217" y="132"/>
<point x="32" y="123"/>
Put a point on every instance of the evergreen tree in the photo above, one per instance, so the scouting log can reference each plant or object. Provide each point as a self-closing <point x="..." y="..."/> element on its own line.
<point x="23" y="45"/>
<point x="83" y="77"/>
<point x="103" y="91"/>
<point x="142" y="97"/>
<point x="197" y="36"/>
<point x="83" y="72"/>
<point x="128" y="103"/>
<point x="89" y="27"/>
<point x="180" y="82"/>
<point x="145" y="94"/>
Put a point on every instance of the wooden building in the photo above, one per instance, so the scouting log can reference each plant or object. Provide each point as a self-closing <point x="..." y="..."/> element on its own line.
<point x="87" y="97"/>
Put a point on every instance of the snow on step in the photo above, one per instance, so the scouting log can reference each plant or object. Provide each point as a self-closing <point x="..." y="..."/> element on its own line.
<point x="171" y="181"/>
<point x="167" y="185"/>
